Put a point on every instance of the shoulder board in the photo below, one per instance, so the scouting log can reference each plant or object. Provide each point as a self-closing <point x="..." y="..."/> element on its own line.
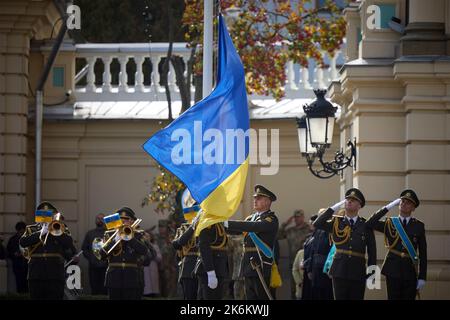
<point x="417" y="221"/>
<point x="269" y="218"/>
<point x="338" y="216"/>
<point x="362" y="218"/>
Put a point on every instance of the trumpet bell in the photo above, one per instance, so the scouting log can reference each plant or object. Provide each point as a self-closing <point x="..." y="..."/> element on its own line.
<point x="97" y="245"/>
<point x="56" y="228"/>
<point x="127" y="233"/>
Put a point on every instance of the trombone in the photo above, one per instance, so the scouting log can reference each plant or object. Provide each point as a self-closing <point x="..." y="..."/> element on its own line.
<point x="56" y="228"/>
<point x="126" y="233"/>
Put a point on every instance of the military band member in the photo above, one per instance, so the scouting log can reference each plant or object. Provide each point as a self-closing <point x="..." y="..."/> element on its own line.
<point x="124" y="276"/>
<point x="97" y="268"/>
<point x="212" y="264"/>
<point x="264" y="225"/>
<point x="186" y="245"/>
<point x="400" y="265"/>
<point x="47" y="253"/>
<point x="353" y="239"/>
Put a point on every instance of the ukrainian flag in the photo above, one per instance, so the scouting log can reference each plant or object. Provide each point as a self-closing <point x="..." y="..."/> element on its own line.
<point x="113" y="221"/>
<point x="223" y="117"/>
<point x="43" y="216"/>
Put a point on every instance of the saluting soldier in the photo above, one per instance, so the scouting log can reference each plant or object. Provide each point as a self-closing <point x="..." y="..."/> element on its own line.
<point x="212" y="264"/>
<point x="405" y="268"/>
<point x="46" y="253"/>
<point x="353" y="239"/>
<point x="124" y="276"/>
<point x="186" y="245"/>
<point x="260" y="230"/>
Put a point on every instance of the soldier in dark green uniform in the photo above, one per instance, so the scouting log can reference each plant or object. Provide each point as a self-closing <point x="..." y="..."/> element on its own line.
<point x="353" y="239"/>
<point x="264" y="224"/>
<point x="124" y="276"/>
<point x="296" y="236"/>
<point x="212" y="264"/>
<point x="403" y="280"/>
<point x="46" y="274"/>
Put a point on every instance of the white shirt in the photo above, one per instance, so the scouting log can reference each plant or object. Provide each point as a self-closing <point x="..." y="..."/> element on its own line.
<point x="407" y="219"/>
<point x="354" y="219"/>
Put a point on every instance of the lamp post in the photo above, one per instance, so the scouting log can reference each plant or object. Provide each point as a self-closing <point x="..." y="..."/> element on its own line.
<point x="315" y="134"/>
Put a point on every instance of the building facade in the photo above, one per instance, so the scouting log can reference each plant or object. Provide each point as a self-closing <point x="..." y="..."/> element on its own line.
<point x="394" y="94"/>
<point x="394" y="102"/>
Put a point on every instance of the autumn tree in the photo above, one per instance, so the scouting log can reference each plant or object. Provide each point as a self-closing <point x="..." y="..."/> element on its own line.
<point x="266" y="34"/>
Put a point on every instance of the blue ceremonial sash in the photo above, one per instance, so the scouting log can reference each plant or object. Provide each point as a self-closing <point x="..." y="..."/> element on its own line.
<point x="329" y="261"/>
<point x="405" y="239"/>
<point x="265" y="249"/>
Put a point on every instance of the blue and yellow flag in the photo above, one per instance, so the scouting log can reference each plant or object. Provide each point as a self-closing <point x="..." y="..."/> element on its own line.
<point x="43" y="216"/>
<point x="113" y="221"/>
<point x="207" y="147"/>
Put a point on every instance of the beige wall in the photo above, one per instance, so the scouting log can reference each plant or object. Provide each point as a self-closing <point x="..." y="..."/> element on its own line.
<point x="20" y="22"/>
<point x="398" y="110"/>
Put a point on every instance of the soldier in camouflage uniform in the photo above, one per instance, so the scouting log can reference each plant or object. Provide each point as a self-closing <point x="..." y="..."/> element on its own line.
<point x="168" y="265"/>
<point x="296" y="236"/>
<point x="236" y="251"/>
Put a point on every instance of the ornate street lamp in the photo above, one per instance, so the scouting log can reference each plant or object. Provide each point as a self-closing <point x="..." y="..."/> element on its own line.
<point x="315" y="134"/>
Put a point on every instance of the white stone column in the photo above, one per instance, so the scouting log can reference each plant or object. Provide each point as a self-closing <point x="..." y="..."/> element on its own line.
<point x="155" y="59"/>
<point x="123" y="77"/>
<point x="172" y="79"/>
<point x="305" y="78"/>
<point x="290" y="83"/>
<point x="107" y="73"/>
<point x="139" y="77"/>
<point x="90" y="78"/>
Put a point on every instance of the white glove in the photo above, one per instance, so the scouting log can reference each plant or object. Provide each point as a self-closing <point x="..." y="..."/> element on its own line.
<point x="393" y="204"/>
<point x="212" y="279"/>
<point x="420" y="284"/>
<point x="338" y="205"/>
<point x="225" y="223"/>
<point x="44" y="229"/>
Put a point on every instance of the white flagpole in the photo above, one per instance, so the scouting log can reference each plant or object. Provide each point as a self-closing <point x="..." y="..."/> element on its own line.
<point x="207" y="47"/>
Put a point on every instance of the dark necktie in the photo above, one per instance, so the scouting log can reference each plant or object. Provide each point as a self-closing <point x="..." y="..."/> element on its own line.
<point x="404" y="222"/>
<point x="352" y="223"/>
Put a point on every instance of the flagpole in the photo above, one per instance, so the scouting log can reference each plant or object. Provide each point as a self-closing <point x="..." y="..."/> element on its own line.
<point x="207" y="47"/>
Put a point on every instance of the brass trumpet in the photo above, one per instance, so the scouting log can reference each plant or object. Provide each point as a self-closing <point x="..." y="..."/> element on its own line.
<point x="125" y="233"/>
<point x="56" y="228"/>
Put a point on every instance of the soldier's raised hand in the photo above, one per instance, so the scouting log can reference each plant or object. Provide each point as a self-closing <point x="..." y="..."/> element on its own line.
<point x="337" y="205"/>
<point x="393" y="204"/>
